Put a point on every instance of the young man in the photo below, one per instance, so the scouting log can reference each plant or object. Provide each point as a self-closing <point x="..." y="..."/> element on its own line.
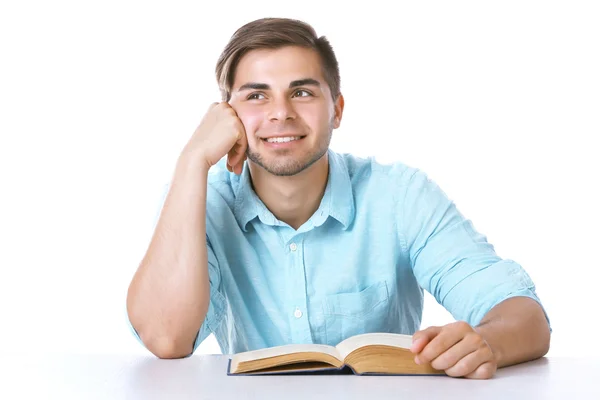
<point x="284" y="241"/>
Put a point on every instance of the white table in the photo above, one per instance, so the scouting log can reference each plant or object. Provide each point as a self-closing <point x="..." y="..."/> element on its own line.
<point x="204" y="377"/>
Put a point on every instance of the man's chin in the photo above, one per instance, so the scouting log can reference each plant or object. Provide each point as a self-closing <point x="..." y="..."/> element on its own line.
<point x="283" y="165"/>
<point x="290" y="168"/>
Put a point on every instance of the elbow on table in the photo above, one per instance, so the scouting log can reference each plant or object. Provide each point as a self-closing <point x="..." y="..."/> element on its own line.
<point x="168" y="348"/>
<point x="545" y="341"/>
<point x="544" y="332"/>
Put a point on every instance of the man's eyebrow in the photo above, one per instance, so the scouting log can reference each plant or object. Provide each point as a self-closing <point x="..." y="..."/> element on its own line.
<point x="254" y="86"/>
<point x="304" y="82"/>
<point x="264" y="86"/>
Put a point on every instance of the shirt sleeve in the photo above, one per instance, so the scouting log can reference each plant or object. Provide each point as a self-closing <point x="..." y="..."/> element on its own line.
<point x="216" y="305"/>
<point x="450" y="259"/>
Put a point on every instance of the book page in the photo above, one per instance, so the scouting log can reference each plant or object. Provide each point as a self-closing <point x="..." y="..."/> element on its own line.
<point x="286" y="349"/>
<point x="347" y="346"/>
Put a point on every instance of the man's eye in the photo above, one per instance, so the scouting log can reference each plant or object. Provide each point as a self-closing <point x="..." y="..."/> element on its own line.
<point x="302" y="93"/>
<point x="255" y="96"/>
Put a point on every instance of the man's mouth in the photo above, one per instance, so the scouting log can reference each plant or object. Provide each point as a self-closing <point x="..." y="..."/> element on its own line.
<point x="283" y="139"/>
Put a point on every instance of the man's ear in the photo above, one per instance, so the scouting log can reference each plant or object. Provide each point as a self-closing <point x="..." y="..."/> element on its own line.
<point x="339" y="110"/>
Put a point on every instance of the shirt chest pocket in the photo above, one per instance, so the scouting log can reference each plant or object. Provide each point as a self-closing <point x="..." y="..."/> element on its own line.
<point x="349" y="314"/>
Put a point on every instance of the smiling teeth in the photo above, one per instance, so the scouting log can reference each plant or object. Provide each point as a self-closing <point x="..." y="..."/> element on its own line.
<point x="283" y="139"/>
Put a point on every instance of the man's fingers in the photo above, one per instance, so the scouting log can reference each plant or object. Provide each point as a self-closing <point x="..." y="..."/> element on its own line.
<point x="455" y="353"/>
<point x="475" y="365"/>
<point x="241" y="163"/>
<point x="236" y="155"/>
<point x="484" y="371"/>
<point x="421" y="338"/>
<point x="439" y="344"/>
<point x="238" y="166"/>
<point x="456" y="349"/>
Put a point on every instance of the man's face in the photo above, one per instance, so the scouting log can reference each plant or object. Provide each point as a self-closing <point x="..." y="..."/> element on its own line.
<point x="286" y="107"/>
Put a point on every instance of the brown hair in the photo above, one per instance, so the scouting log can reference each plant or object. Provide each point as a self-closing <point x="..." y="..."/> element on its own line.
<point x="273" y="33"/>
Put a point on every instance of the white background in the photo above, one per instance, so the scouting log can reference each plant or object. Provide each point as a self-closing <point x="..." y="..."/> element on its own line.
<point x="499" y="102"/>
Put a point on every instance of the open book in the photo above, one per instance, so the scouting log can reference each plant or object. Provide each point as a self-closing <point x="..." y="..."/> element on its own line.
<point x="369" y="353"/>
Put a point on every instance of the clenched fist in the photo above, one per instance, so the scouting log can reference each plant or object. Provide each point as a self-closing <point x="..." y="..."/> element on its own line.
<point x="221" y="132"/>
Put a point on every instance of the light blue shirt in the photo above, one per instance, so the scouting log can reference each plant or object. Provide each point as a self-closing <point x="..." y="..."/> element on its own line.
<point x="381" y="234"/>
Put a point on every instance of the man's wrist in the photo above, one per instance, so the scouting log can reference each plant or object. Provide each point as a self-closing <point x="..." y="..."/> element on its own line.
<point x="190" y="162"/>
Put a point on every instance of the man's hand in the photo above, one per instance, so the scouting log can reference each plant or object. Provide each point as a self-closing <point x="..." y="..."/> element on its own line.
<point x="456" y="348"/>
<point x="220" y="132"/>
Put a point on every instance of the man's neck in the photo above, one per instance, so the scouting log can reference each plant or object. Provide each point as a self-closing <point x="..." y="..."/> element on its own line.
<point x="292" y="199"/>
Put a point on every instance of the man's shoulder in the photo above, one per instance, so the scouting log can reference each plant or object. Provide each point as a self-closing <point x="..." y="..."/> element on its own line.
<point x="373" y="169"/>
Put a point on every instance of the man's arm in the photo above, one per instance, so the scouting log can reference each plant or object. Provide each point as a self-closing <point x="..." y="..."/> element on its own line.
<point x="169" y="295"/>
<point x="514" y="331"/>
<point x="484" y="292"/>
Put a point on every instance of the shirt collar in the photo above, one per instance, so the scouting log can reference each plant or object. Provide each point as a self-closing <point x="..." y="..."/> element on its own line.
<point x="337" y="201"/>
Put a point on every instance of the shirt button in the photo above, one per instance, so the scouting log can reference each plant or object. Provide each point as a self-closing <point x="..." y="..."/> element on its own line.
<point x="298" y="313"/>
<point x="293" y="247"/>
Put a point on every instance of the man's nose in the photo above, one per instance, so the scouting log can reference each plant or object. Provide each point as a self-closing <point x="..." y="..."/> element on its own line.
<point x="281" y="110"/>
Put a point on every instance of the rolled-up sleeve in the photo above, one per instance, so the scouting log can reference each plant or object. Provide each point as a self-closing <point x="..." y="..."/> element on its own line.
<point x="216" y="307"/>
<point x="450" y="259"/>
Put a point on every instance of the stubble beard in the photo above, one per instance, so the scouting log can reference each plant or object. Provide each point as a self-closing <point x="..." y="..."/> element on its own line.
<point x="285" y="166"/>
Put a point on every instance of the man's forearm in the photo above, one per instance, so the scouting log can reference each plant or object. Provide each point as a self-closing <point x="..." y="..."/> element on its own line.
<point x="516" y="330"/>
<point x="168" y="297"/>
